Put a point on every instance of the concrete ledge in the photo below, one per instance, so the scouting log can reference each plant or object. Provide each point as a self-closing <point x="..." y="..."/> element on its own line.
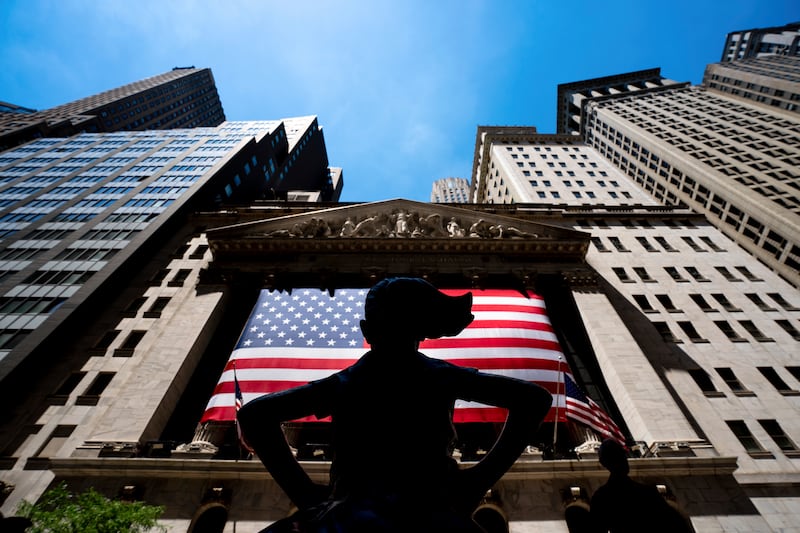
<point x="254" y="470"/>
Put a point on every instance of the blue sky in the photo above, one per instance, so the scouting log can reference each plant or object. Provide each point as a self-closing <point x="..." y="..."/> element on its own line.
<point x="399" y="87"/>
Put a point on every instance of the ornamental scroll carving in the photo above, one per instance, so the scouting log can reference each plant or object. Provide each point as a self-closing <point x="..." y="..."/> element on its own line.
<point x="400" y="224"/>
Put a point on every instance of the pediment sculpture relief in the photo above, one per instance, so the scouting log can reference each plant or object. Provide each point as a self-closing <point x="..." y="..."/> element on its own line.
<point x="400" y="224"/>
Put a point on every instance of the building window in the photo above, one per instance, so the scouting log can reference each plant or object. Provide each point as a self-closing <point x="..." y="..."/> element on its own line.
<point x="199" y="252"/>
<point x="643" y="275"/>
<point x="733" y="382"/>
<point x="666" y="301"/>
<point x="158" y="306"/>
<point x="59" y="397"/>
<point x="665" y="245"/>
<point x="761" y="304"/>
<point x="727" y="274"/>
<point x="794" y="371"/>
<point x="772" y="376"/>
<point x="789" y="328"/>
<point x="598" y="244"/>
<point x="622" y="275"/>
<point x="618" y="244"/>
<point x="696" y="247"/>
<point x="24" y="435"/>
<point x="130" y="343"/>
<point x="777" y="434"/>
<point x="134" y="307"/>
<point x="666" y="333"/>
<point x="674" y="274"/>
<point x="159" y="277"/>
<point x="179" y="277"/>
<point x="92" y="393"/>
<point x="696" y="274"/>
<point x="751" y="328"/>
<point x="747" y="274"/>
<point x="646" y="244"/>
<point x="703" y="381"/>
<point x="780" y="300"/>
<point x="691" y="332"/>
<point x="725" y="303"/>
<point x="643" y="303"/>
<point x="711" y="244"/>
<point x="729" y="332"/>
<point x="99" y="349"/>
<point x="702" y="303"/>
<point x="746" y="438"/>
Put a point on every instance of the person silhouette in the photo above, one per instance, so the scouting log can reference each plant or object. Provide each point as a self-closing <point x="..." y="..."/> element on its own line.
<point x="391" y="416"/>
<point x="623" y="505"/>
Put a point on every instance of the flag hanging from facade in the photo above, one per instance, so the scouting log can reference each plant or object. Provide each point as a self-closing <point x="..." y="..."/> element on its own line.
<point x="291" y="339"/>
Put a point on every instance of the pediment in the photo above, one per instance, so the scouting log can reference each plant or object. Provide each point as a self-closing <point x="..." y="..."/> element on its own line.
<point x="393" y="219"/>
<point x="351" y="244"/>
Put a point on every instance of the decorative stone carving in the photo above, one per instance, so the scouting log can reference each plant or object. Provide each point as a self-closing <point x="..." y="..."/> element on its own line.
<point x="400" y="223"/>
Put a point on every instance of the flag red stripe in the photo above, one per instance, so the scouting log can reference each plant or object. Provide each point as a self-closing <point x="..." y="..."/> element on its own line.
<point x="510" y="324"/>
<point x="293" y="362"/>
<point x="455" y="342"/>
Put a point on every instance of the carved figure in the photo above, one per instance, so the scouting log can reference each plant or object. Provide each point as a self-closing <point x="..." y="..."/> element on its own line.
<point x="401" y="226"/>
<point x="480" y="230"/>
<point x="623" y="505"/>
<point x="430" y="226"/>
<point x="454" y="229"/>
<point x="392" y="419"/>
<point x="348" y="228"/>
<point x="374" y="226"/>
<point x="499" y="231"/>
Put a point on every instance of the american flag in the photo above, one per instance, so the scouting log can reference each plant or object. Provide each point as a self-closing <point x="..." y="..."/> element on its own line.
<point x="291" y="339"/>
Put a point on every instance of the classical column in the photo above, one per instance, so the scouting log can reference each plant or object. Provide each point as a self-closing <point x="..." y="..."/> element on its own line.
<point x="644" y="401"/>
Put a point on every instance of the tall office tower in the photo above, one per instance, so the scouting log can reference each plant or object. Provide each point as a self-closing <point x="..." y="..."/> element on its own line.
<point x="516" y="165"/>
<point x="181" y="98"/>
<point x="759" y="42"/>
<point x="734" y="160"/>
<point x="694" y="338"/>
<point x="450" y="190"/>
<point x="76" y="213"/>
<point x="573" y="97"/>
<point x="773" y="80"/>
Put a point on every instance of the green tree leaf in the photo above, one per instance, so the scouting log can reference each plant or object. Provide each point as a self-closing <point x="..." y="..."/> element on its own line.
<point x="60" y="511"/>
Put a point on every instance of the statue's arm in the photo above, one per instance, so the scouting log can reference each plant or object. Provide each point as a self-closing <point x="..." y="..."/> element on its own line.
<point x="527" y="404"/>
<point x="260" y="421"/>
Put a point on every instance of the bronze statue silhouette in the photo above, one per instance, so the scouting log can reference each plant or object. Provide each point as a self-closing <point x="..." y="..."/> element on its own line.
<point x="391" y="415"/>
<point x="623" y="505"/>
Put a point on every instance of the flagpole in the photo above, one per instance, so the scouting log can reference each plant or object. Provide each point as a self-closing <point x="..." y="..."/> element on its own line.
<point x="236" y="407"/>
<point x="558" y="392"/>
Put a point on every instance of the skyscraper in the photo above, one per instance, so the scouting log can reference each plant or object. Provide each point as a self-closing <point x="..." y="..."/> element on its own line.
<point x="77" y="211"/>
<point x="450" y="190"/>
<point x="181" y="98"/>
<point x="573" y="97"/>
<point x="759" y="42"/>
<point x="772" y="79"/>
<point x="732" y="159"/>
